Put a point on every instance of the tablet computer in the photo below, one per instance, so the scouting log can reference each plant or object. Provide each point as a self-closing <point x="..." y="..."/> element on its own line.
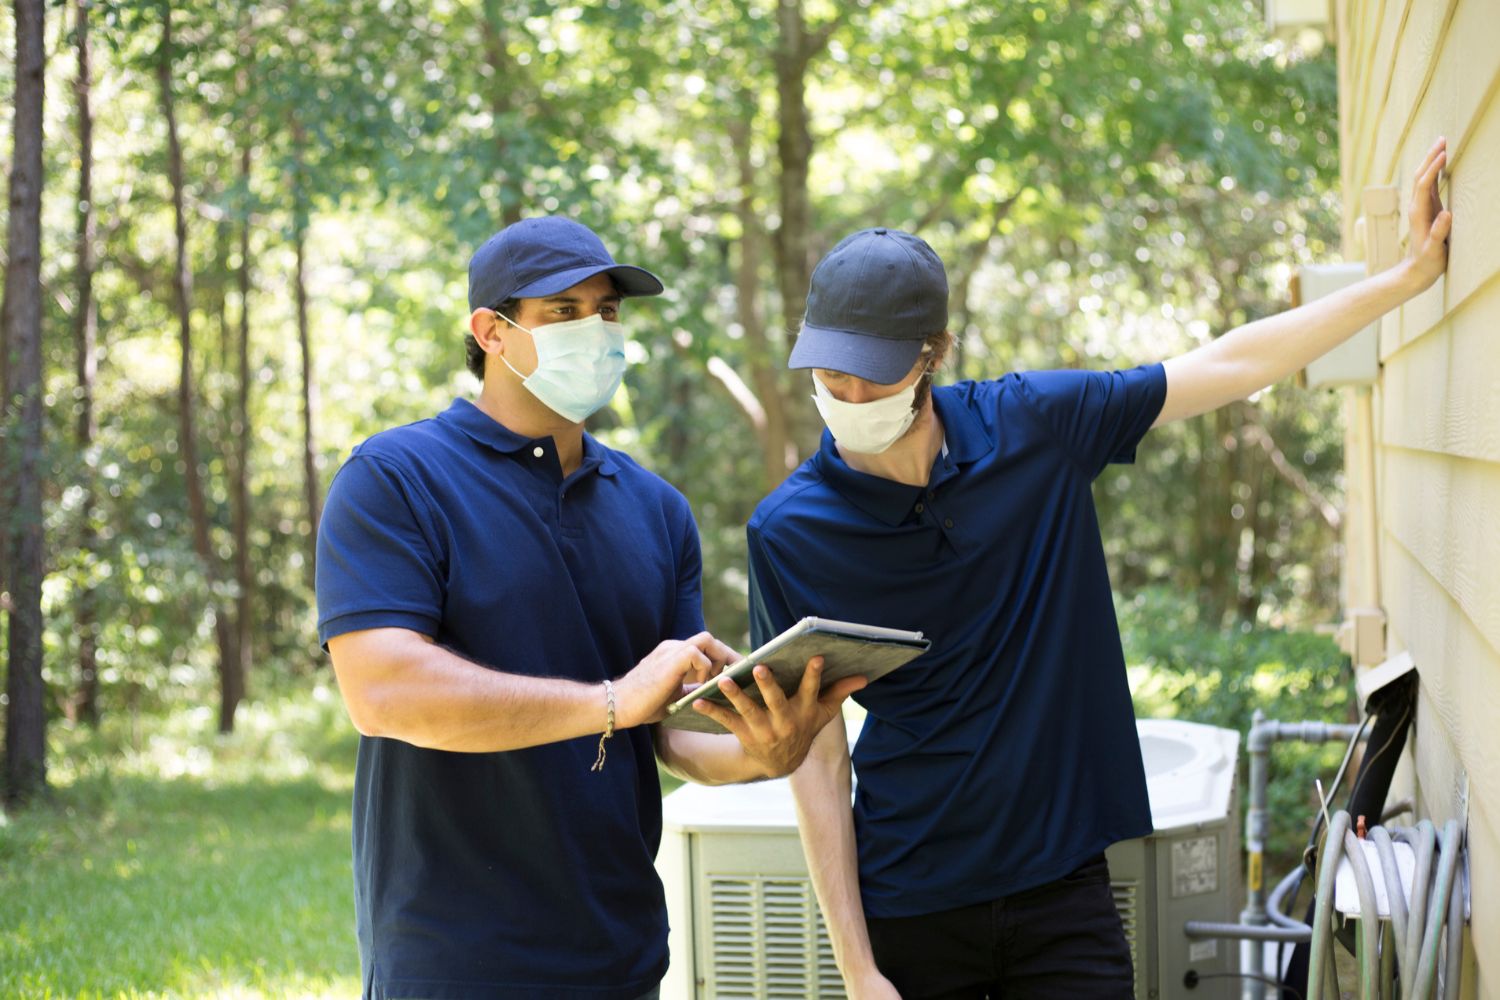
<point x="847" y="649"/>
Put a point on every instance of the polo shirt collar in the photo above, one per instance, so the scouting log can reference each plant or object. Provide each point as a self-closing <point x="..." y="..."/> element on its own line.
<point x="488" y="431"/>
<point x="968" y="439"/>
<point x="890" y="501"/>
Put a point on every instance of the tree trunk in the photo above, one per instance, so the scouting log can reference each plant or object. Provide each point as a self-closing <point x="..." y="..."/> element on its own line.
<point x="26" y="723"/>
<point x="1263" y="524"/>
<point x="794" y="151"/>
<point x="796" y="46"/>
<point x="242" y="428"/>
<point x="244" y="579"/>
<point x="778" y="452"/>
<point x="310" y="482"/>
<point x="1224" y="532"/>
<point x="505" y="76"/>
<point x="231" y="683"/>
<point x="85" y="334"/>
<point x="1200" y="475"/>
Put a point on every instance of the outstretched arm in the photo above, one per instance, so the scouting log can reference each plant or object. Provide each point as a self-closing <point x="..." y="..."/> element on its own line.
<point x="1253" y="356"/>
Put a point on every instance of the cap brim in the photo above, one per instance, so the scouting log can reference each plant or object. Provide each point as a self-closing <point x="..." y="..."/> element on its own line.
<point x="630" y="280"/>
<point x="875" y="359"/>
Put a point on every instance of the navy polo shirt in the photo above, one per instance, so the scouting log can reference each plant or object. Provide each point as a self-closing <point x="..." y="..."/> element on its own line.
<point x="1006" y="754"/>
<point x="514" y="874"/>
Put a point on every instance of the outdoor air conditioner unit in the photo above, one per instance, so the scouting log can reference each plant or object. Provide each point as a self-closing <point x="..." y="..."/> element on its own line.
<point x="745" y="922"/>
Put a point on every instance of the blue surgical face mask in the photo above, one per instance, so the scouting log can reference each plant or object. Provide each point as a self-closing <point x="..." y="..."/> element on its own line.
<point x="579" y="364"/>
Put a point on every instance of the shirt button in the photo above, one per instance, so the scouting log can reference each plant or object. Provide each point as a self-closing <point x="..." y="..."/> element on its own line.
<point x="947" y="522"/>
<point x="537" y="451"/>
<point x="920" y="508"/>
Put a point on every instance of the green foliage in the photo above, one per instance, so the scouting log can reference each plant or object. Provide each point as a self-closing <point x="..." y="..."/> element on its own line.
<point x="1185" y="669"/>
<point x="169" y="861"/>
<point x="1109" y="182"/>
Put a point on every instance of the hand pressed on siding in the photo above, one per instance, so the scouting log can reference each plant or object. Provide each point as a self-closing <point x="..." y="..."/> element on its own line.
<point x="1430" y="221"/>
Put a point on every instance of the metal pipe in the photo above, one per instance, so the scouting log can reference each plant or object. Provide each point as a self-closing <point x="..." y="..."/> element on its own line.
<point x="1264" y="733"/>
<point x="1245" y="932"/>
<point x="1318" y="961"/>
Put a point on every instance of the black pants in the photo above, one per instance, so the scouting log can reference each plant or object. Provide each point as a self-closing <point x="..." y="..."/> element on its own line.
<point x="1063" y="939"/>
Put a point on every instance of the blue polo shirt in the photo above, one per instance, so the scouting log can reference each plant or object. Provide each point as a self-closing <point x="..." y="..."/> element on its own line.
<point x="518" y="874"/>
<point x="1006" y="754"/>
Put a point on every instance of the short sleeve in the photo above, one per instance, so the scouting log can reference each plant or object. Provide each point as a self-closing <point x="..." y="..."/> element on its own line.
<point x="769" y="614"/>
<point x="1099" y="417"/>
<point x="379" y="561"/>
<point x="687" y="617"/>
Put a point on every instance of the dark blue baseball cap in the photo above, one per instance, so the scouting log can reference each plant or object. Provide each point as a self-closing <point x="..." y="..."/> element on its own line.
<point x="874" y="299"/>
<point x="538" y="257"/>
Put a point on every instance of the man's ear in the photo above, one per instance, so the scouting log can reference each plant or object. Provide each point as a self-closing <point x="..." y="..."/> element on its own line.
<point x="938" y="355"/>
<point x="488" y="330"/>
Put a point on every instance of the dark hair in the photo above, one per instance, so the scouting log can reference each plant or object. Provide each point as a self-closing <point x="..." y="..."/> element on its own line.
<point x="473" y="355"/>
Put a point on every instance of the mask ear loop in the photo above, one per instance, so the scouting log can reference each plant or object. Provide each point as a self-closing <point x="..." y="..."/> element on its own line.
<point x="518" y="326"/>
<point x="512" y="322"/>
<point x="928" y="374"/>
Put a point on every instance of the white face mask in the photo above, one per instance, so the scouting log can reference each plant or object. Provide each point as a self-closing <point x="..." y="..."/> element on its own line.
<point x="869" y="428"/>
<point x="579" y="365"/>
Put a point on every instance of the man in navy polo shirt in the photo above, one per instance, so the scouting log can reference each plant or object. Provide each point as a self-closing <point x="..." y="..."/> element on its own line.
<point x="508" y="605"/>
<point x="996" y="768"/>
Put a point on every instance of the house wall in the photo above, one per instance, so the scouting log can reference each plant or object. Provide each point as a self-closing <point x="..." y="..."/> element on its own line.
<point x="1409" y="71"/>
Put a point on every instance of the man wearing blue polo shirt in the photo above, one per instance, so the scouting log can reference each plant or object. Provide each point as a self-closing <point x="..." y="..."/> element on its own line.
<point x="996" y="768"/>
<point x="508" y="605"/>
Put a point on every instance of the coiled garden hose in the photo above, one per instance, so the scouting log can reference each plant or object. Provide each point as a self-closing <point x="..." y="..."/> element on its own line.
<point x="1415" y="935"/>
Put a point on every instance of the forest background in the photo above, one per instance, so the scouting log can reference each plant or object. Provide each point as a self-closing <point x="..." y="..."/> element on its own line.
<point x="237" y="239"/>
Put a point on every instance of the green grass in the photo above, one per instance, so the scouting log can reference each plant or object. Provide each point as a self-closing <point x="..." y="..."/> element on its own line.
<point x="185" y="864"/>
<point x="168" y="861"/>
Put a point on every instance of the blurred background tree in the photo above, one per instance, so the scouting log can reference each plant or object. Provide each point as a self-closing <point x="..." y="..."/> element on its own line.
<point x="256" y="226"/>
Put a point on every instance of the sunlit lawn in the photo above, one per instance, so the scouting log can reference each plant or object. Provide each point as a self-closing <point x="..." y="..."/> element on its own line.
<point x="188" y="865"/>
<point x="181" y="864"/>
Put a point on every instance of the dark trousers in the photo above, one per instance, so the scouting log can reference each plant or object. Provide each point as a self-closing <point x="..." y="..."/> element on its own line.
<point x="1063" y="939"/>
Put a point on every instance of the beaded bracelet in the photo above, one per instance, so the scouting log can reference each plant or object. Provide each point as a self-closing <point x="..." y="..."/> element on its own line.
<point x="609" y="724"/>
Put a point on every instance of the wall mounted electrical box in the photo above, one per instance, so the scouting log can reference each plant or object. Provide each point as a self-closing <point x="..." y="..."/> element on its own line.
<point x="1354" y="362"/>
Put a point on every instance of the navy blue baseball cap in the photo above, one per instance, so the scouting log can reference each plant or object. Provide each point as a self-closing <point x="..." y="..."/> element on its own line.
<point x="874" y="299"/>
<point x="538" y="257"/>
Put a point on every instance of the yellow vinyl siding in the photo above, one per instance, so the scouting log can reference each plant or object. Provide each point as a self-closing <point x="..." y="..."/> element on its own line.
<point x="1409" y="71"/>
<point x="1459" y="357"/>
